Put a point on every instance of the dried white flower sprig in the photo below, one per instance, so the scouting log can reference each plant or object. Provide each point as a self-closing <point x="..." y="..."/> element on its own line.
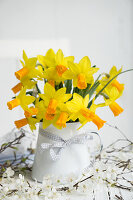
<point x="110" y="169"/>
<point x="53" y="187"/>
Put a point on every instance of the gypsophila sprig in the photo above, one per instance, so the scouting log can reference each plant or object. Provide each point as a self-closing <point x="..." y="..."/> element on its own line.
<point x="68" y="91"/>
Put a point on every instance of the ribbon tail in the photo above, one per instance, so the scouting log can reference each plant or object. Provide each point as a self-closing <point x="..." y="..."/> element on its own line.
<point x="55" y="155"/>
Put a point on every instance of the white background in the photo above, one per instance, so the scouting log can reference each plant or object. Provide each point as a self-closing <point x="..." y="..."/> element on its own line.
<point x="100" y="29"/>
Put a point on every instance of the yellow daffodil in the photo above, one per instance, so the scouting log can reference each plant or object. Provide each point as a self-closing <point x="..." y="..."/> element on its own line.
<point x="52" y="108"/>
<point x="25" y="82"/>
<point x="29" y="68"/>
<point x="114" y="83"/>
<point x="23" y="122"/>
<point x="61" y="121"/>
<point x="32" y="123"/>
<point x="42" y="114"/>
<point x="63" y="116"/>
<point x="113" y="95"/>
<point x="56" y="65"/>
<point x="22" y="99"/>
<point x="32" y="111"/>
<point x="81" y="73"/>
<point x="53" y="99"/>
<point x="58" y="106"/>
<point x="78" y="108"/>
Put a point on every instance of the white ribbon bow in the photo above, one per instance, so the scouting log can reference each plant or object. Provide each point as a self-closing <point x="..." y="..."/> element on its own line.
<point x="59" y="143"/>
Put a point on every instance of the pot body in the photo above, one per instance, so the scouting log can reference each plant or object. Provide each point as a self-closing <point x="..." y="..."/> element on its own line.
<point x="73" y="158"/>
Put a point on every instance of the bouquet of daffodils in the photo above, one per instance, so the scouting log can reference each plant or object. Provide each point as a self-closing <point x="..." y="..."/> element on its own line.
<point x="69" y="92"/>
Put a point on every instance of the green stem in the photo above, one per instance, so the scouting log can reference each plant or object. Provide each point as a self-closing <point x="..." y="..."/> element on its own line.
<point x="39" y="91"/>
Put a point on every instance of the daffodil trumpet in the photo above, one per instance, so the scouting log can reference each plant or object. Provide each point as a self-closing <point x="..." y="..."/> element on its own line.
<point x="69" y="93"/>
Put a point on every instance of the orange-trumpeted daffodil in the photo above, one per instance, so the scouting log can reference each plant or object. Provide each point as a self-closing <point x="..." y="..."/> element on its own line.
<point x="78" y="108"/>
<point x="114" y="83"/>
<point x="63" y="116"/>
<point x="22" y="99"/>
<point x="81" y="73"/>
<point x="23" y="122"/>
<point x="25" y="82"/>
<point x="55" y="65"/>
<point x="53" y="99"/>
<point x="61" y="122"/>
<point x="32" y="111"/>
<point x="29" y="68"/>
<point x="42" y="114"/>
<point x="113" y="94"/>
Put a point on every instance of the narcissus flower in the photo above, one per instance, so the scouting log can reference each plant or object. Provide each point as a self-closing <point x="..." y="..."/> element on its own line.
<point x="42" y="114"/>
<point x="63" y="116"/>
<point x="78" y="108"/>
<point x="55" y="65"/>
<point x="61" y="77"/>
<point x="114" y="83"/>
<point x="29" y="68"/>
<point x="113" y="95"/>
<point x="23" y="122"/>
<point x="22" y="99"/>
<point x="25" y="82"/>
<point x="53" y="99"/>
<point x="32" y="111"/>
<point x="61" y="122"/>
<point x="81" y="73"/>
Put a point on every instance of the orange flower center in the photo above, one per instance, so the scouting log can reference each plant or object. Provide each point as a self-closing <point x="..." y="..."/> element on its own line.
<point x="49" y="116"/>
<point x="98" y="121"/>
<point x="21" y="73"/>
<point x="60" y="69"/>
<point x="85" y="112"/>
<point x="61" y="122"/>
<point x="52" y="83"/>
<point x="17" y="88"/>
<point x="20" y="123"/>
<point x="33" y="111"/>
<point x="81" y="81"/>
<point x="52" y="106"/>
<point x="119" y="86"/>
<point x="13" y="103"/>
<point x="115" y="108"/>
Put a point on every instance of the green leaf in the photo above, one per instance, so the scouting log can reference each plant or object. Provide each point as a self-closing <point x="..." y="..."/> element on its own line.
<point x="23" y="159"/>
<point x="30" y="93"/>
<point x="76" y="90"/>
<point x="93" y="89"/>
<point x="86" y="91"/>
<point x="4" y="144"/>
<point x="60" y="85"/>
<point x="3" y="169"/>
<point x="14" y="148"/>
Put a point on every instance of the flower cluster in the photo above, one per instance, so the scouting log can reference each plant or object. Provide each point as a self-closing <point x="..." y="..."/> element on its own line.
<point x="69" y="91"/>
<point x="58" y="188"/>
